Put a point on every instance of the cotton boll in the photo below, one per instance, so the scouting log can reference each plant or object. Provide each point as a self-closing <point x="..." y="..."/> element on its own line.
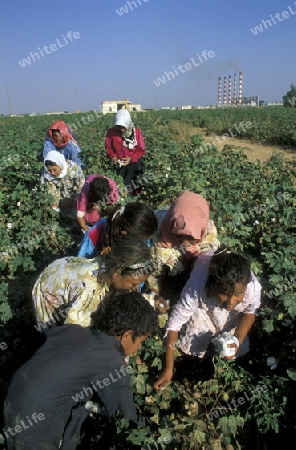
<point x="221" y="343"/>
<point x="270" y="361"/>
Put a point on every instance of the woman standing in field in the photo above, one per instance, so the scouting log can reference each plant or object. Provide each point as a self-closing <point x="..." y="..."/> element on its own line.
<point x="70" y="289"/>
<point x="185" y="232"/>
<point x="64" y="180"/>
<point x="125" y="147"/>
<point x="61" y="138"/>
<point x="96" y="192"/>
<point x="221" y="300"/>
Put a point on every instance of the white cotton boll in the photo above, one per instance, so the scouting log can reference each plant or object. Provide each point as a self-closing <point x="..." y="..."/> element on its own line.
<point x="168" y="168"/>
<point x="89" y="406"/>
<point x="9" y="225"/>
<point x="150" y="298"/>
<point x="229" y="351"/>
<point x="166" y="175"/>
<point x="256" y="222"/>
<point x="270" y="361"/>
<point x="18" y="204"/>
<point x="221" y="343"/>
<point x="273" y="219"/>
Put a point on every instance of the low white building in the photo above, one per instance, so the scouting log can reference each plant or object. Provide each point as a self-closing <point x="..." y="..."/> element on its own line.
<point x="112" y="106"/>
<point x="55" y="113"/>
<point x="274" y="104"/>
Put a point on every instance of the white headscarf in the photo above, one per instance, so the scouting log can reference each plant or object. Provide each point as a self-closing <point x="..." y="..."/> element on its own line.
<point x="59" y="160"/>
<point x="123" y="118"/>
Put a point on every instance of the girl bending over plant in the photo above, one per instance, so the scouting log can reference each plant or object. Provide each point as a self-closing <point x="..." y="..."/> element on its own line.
<point x="220" y="300"/>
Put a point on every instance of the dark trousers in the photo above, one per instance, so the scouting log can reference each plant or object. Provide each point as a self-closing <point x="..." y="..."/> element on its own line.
<point x="132" y="173"/>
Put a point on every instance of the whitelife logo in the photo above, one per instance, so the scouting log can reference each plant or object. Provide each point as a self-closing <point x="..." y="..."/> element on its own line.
<point x="48" y="49"/>
<point x="224" y="410"/>
<point x="129" y="7"/>
<point x="184" y="68"/>
<point x="268" y="23"/>
<point x="24" y="424"/>
<point x="89" y="390"/>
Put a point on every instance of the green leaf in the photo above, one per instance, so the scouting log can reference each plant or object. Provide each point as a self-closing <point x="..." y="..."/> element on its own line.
<point x="292" y="373"/>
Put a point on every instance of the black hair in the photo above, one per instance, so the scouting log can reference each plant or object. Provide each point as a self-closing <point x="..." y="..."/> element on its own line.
<point x="135" y="218"/>
<point x="123" y="311"/>
<point x="129" y="256"/>
<point x="48" y="163"/>
<point x="99" y="190"/>
<point x="226" y="268"/>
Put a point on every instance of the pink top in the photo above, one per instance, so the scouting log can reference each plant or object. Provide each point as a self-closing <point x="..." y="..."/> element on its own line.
<point x="93" y="216"/>
<point x="115" y="147"/>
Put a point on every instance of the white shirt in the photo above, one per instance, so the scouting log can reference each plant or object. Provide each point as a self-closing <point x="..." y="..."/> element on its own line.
<point x="200" y="318"/>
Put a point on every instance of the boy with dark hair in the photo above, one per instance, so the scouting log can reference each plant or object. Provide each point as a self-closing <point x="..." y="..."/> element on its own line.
<point x="46" y="404"/>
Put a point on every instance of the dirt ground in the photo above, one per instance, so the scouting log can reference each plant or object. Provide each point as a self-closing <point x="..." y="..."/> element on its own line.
<point x="253" y="150"/>
<point x="182" y="132"/>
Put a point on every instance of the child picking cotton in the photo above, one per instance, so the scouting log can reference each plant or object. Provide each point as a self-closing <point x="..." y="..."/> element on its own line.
<point x="220" y="300"/>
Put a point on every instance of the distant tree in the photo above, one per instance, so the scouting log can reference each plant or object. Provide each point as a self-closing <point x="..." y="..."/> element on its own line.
<point x="290" y="98"/>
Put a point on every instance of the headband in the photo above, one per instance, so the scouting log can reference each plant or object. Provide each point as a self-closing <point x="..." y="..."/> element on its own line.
<point x="119" y="212"/>
<point x="225" y="250"/>
<point x="140" y="265"/>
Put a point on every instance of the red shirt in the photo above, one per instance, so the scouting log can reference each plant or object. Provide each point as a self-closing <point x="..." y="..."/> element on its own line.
<point x="92" y="216"/>
<point x="114" y="144"/>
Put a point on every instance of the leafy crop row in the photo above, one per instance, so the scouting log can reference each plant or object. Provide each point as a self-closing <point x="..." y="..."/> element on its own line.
<point x="271" y="125"/>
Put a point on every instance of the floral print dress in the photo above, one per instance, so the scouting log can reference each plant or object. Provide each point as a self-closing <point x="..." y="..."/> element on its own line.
<point x="67" y="291"/>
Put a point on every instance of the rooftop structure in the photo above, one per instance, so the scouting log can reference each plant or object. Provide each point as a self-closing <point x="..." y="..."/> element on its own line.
<point x="112" y="106"/>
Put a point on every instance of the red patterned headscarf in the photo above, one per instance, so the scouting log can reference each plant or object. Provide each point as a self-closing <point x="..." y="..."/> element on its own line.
<point x="63" y="128"/>
<point x="189" y="215"/>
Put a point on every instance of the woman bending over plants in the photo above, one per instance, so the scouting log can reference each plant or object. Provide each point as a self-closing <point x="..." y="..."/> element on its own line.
<point x="62" y="139"/>
<point x="220" y="300"/>
<point x="70" y="289"/>
<point x="185" y="232"/>
<point x="64" y="180"/>
<point x="134" y="219"/>
<point x="98" y="191"/>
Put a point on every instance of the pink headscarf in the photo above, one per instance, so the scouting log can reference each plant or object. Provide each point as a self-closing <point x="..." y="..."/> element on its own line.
<point x="64" y="130"/>
<point x="189" y="214"/>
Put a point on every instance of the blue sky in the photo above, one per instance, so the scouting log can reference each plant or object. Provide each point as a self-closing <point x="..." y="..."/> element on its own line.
<point x="117" y="56"/>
